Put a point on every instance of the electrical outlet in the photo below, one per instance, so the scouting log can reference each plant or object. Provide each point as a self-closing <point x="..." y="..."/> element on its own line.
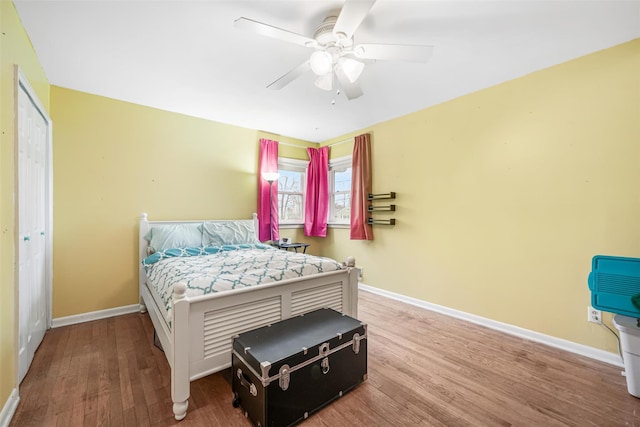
<point x="593" y="315"/>
<point x="361" y="273"/>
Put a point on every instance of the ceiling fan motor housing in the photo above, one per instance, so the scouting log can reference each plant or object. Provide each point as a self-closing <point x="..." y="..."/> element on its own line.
<point x="325" y="36"/>
<point x="324" y="33"/>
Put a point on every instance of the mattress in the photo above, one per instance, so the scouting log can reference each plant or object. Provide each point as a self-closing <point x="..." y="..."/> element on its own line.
<point x="210" y="270"/>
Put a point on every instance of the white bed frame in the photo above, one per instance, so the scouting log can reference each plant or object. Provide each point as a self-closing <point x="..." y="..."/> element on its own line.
<point x="199" y="341"/>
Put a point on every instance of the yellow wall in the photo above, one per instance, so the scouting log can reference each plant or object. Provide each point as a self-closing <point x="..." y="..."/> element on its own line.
<point x="15" y="48"/>
<point x="114" y="160"/>
<point x="505" y="195"/>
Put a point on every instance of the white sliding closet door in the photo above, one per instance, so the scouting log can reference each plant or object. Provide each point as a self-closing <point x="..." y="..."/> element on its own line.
<point x="34" y="214"/>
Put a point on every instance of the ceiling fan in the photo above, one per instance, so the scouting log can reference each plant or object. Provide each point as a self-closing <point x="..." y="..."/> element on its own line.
<point x="337" y="60"/>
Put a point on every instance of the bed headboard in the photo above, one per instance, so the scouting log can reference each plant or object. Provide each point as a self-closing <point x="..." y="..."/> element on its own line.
<point x="146" y="225"/>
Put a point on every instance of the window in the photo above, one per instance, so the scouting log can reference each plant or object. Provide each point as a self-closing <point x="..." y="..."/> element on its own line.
<point x="340" y="190"/>
<point x="291" y="190"/>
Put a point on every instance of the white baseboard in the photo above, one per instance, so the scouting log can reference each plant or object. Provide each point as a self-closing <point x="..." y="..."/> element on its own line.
<point x="583" y="350"/>
<point x="9" y="408"/>
<point x="94" y="315"/>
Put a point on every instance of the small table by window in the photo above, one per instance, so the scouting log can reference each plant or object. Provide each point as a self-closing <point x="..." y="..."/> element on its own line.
<point x="294" y="246"/>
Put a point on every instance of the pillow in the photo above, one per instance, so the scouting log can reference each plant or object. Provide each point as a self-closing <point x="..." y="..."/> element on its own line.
<point x="175" y="236"/>
<point x="228" y="233"/>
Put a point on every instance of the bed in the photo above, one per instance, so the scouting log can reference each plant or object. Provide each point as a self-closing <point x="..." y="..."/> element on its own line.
<point x="194" y="326"/>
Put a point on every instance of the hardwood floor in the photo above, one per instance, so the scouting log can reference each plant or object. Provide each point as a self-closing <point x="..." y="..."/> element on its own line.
<point x="425" y="369"/>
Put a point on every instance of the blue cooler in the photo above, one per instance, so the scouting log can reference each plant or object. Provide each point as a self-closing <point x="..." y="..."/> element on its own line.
<point x="613" y="281"/>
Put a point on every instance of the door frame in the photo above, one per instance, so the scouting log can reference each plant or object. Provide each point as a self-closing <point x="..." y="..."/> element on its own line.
<point x="21" y="83"/>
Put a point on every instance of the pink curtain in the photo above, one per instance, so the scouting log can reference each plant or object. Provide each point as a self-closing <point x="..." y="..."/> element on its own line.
<point x="316" y="206"/>
<point x="360" y="188"/>
<point x="268" y="162"/>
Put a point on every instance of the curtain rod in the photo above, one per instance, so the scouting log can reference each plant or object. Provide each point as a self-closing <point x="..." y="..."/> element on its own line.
<point x="304" y="147"/>
<point x="288" y="144"/>
<point x="341" y="142"/>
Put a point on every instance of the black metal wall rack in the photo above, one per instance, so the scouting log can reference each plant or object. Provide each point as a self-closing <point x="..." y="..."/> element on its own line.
<point x="381" y="208"/>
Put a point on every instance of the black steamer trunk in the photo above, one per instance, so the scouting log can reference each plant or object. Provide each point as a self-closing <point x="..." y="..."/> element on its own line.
<point x="284" y="372"/>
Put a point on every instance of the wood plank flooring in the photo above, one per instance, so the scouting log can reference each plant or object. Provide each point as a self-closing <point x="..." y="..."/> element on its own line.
<point x="425" y="369"/>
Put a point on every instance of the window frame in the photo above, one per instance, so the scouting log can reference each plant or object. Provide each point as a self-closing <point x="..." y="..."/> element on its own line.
<point x="293" y="165"/>
<point x="339" y="162"/>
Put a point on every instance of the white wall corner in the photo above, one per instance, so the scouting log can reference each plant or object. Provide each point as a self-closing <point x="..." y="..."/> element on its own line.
<point x="94" y="315"/>
<point x="583" y="350"/>
<point x="9" y="408"/>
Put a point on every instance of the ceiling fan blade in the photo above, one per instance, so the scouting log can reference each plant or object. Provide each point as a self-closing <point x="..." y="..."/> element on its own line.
<point x="351" y="89"/>
<point x="351" y="16"/>
<point x="290" y="76"/>
<point x="394" y="52"/>
<point x="275" y="32"/>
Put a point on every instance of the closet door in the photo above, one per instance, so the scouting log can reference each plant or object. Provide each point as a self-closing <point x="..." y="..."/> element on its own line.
<point x="33" y="214"/>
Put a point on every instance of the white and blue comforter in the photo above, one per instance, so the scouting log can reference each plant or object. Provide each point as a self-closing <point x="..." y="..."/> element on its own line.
<point x="208" y="270"/>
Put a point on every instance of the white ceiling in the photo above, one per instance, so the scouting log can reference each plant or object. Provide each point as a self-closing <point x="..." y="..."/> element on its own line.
<point x="187" y="57"/>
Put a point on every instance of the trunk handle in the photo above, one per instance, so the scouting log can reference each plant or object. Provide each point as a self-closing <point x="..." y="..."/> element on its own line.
<point x="244" y="380"/>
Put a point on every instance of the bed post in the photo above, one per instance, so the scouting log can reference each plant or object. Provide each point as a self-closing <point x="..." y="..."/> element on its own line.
<point x="354" y="273"/>
<point x="256" y="225"/>
<point x="143" y="229"/>
<point x="179" y="351"/>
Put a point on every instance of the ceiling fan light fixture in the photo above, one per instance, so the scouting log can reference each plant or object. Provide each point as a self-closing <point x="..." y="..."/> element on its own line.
<point x="325" y="82"/>
<point x="352" y="68"/>
<point x="321" y="62"/>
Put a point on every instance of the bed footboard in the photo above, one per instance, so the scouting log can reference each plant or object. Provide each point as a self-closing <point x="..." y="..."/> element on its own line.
<point x="203" y="328"/>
